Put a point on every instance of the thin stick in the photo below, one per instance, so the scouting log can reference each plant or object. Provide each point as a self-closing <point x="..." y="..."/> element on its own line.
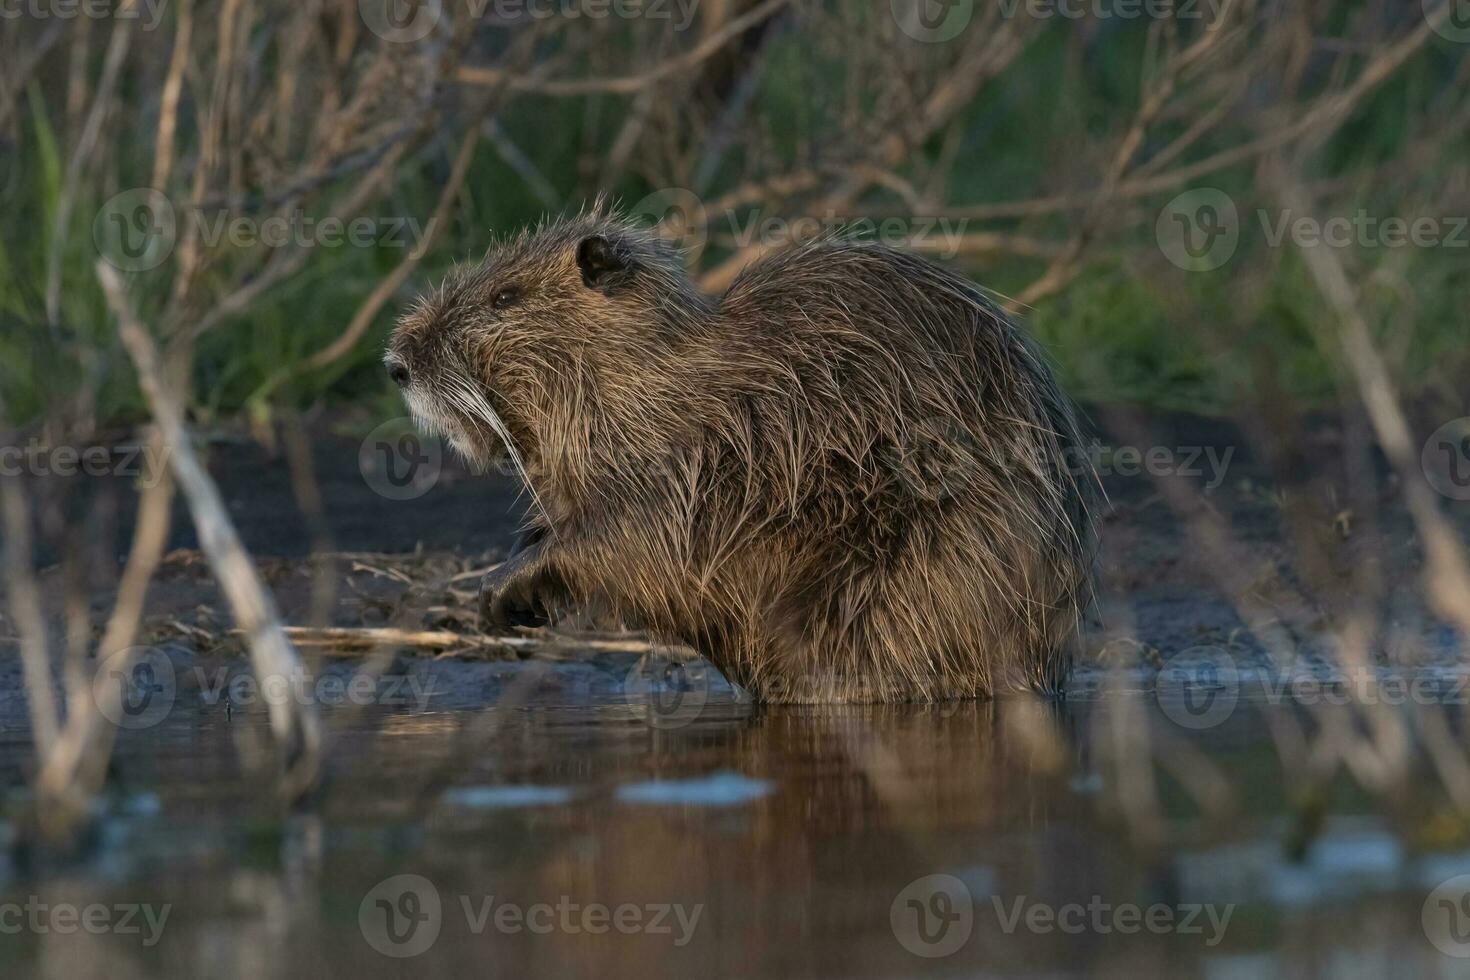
<point x="1447" y="570"/>
<point x="117" y="52"/>
<point x="295" y="725"/>
<point x="380" y="295"/>
<point x="367" y="638"/>
<point x="25" y="607"/>
<point x="168" y="110"/>
<point x="630" y="84"/>
<point x="78" y="766"/>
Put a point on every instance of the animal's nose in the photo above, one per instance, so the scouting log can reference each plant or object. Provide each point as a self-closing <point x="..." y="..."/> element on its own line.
<point x="398" y="371"/>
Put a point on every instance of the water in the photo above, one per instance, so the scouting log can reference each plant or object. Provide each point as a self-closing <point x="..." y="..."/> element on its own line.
<point x="572" y="832"/>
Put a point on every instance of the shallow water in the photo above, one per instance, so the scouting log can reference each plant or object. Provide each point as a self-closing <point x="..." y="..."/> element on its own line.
<point x="575" y="829"/>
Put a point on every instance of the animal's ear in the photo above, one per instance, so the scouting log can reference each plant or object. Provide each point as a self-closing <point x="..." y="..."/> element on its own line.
<point x="606" y="264"/>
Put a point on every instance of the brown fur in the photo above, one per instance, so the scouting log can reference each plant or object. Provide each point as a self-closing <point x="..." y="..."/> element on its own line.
<point x="850" y="478"/>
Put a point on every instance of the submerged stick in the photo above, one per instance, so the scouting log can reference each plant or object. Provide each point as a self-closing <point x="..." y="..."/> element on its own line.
<point x="367" y="638"/>
<point x="295" y="726"/>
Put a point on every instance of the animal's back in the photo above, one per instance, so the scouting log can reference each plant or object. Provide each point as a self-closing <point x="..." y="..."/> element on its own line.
<point x="938" y="536"/>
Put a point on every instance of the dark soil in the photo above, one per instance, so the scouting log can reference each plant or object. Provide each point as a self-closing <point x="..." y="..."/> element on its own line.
<point x="1160" y="592"/>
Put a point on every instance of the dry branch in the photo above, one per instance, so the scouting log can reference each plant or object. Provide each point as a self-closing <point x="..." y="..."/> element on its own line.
<point x="628" y="84"/>
<point x="1447" y="571"/>
<point x="357" y="639"/>
<point x="295" y="725"/>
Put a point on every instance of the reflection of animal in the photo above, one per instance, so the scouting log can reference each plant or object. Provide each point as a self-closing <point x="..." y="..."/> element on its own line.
<point x="847" y="479"/>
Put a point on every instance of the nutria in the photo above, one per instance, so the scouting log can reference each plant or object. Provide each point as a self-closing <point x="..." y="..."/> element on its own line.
<point x="849" y="478"/>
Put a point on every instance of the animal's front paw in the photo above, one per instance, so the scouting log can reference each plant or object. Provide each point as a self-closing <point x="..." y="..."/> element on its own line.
<point x="511" y="594"/>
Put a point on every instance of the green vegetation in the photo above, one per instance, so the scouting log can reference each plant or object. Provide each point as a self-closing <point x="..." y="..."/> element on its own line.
<point x="1127" y="326"/>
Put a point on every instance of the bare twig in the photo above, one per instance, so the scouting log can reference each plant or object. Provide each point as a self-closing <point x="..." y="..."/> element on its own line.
<point x="25" y="606"/>
<point x="295" y="725"/>
<point x="629" y="84"/>
<point x="369" y="638"/>
<point x="384" y="291"/>
<point x="75" y="770"/>
<point x="1447" y="570"/>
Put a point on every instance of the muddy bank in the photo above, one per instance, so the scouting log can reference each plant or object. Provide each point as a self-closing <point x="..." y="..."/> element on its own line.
<point x="1299" y="547"/>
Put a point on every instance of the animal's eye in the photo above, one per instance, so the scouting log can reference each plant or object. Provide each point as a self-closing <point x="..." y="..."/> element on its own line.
<point x="506" y="296"/>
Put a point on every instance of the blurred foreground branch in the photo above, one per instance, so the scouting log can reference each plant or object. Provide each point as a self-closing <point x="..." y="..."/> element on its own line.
<point x="295" y="725"/>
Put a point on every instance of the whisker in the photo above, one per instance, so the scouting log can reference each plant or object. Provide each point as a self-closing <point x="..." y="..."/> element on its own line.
<point x="478" y="407"/>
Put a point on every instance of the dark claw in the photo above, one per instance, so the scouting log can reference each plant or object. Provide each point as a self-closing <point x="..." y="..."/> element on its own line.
<point x="510" y="594"/>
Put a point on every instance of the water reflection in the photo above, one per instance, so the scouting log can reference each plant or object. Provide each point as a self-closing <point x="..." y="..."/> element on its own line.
<point x="554" y="837"/>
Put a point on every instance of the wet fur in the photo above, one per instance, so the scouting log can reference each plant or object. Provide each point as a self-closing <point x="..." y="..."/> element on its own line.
<point x="850" y="478"/>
